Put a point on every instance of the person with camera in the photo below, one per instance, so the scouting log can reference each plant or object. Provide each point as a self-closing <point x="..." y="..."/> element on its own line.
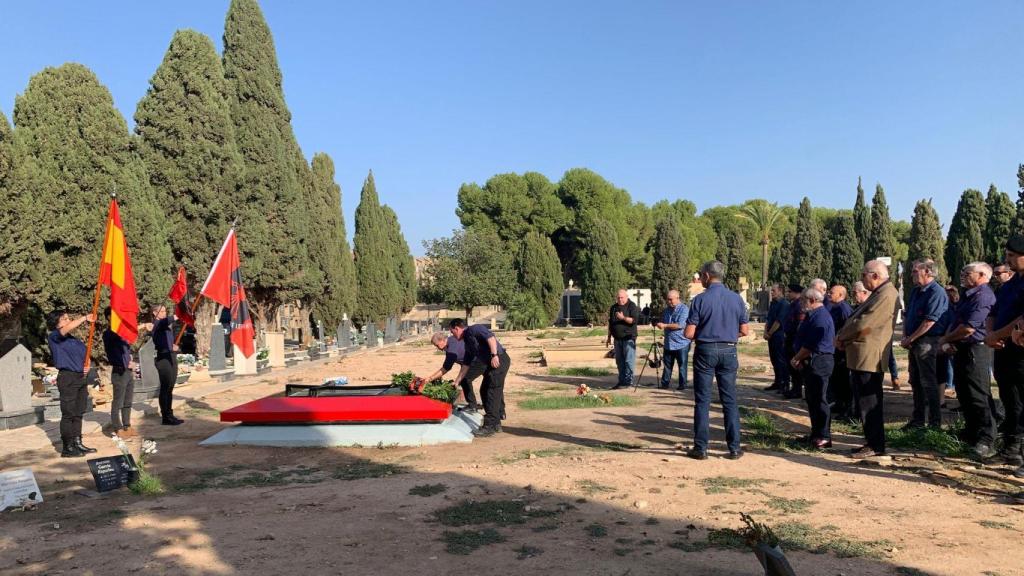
<point x="677" y="347"/>
<point x="815" y="345"/>
<point x="623" y="318"/>
<point x="68" y="354"/>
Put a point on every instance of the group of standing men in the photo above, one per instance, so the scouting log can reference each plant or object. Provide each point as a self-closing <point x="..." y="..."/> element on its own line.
<point x="73" y="381"/>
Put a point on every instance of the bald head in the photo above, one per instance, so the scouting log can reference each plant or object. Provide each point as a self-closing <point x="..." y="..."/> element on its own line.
<point x="875" y="274"/>
<point x="837" y="294"/>
<point x="672" y="297"/>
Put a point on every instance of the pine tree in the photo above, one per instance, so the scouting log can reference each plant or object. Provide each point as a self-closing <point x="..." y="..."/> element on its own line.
<point x="780" y="265"/>
<point x="377" y="295"/>
<point x="670" y="260"/>
<point x="273" y="224"/>
<point x="999" y="212"/>
<point x="925" y="240"/>
<point x="880" y="241"/>
<point x="861" y="218"/>
<point x="736" y="260"/>
<point x="806" y="246"/>
<point x="540" y="273"/>
<point x="72" y="150"/>
<point x="847" y="259"/>
<point x="965" y="243"/>
<point x="601" y="272"/>
<point x="328" y="247"/>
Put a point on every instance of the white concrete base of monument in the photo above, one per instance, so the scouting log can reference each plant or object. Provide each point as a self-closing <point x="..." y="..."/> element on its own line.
<point x="458" y="428"/>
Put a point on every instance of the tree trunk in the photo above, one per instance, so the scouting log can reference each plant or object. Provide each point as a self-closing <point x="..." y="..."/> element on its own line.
<point x="10" y="320"/>
<point x="764" y="263"/>
<point x="206" y="316"/>
<point x="469" y="312"/>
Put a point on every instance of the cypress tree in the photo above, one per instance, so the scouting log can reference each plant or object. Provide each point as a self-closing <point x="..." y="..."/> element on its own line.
<point x="1000" y="213"/>
<point x="827" y="248"/>
<point x="847" y="259"/>
<point x="377" y="294"/>
<point x="601" y="272"/>
<point x="402" y="269"/>
<point x="965" y="243"/>
<point x="806" y="246"/>
<point x="780" y="266"/>
<point x="540" y="273"/>
<point x="72" y="149"/>
<point x="19" y="252"/>
<point x="736" y="260"/>
<point x="880" y="241"/>
<point x="861" y="218"/>
<point x="328" y="247"/>
<point x="273" y="225"/>
<point x="925" y="241"/>
<point x="670" y="259"/>
<point x="1018" y="222"/>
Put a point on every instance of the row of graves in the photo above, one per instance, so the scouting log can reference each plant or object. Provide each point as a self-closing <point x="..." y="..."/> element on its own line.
<point x="29" y="394"/>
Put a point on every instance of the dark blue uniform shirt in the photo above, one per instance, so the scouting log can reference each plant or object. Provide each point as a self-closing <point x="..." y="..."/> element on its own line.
<point x="972" y="311"/>
<point x="475" y="339"/>
<point x="1008" y="302"/>
<point x="840" y="313"/>
<point x="947" y="318"/>
<point x="926" y="303"/>
<point x="816" y="333"/>
<point x="163" y="337"/>
<point x="777" y="312"/>
<point x="794" y="316"/>
<point x="454" y="353"/>
<point x="119" y="352"/>
<point x="718" y="314"/>
<point x="68" y="352"/>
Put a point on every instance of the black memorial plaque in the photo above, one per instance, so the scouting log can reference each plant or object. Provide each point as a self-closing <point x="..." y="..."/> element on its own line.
<point x="113" y="472"/>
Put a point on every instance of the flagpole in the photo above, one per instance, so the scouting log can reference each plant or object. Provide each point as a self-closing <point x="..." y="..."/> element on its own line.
<point x="199" y="296"/>
<point x="99" y="286"/>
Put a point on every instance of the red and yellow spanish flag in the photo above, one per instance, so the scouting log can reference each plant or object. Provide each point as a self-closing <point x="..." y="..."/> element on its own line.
<point x="116" y="272"/>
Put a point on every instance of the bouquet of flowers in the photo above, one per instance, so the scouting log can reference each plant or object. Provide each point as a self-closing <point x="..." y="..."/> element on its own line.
<point x="582" y="390"/>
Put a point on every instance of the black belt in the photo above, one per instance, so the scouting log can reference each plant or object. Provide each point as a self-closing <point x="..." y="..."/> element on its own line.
<point x="66" y="371"/>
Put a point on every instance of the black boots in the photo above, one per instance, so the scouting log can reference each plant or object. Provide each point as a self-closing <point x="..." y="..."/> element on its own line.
<point x="82" y="447"/>
<point x="70" y="449"/>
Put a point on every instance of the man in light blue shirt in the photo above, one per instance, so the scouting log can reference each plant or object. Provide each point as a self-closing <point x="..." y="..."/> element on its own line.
<point x="677" y="347"/>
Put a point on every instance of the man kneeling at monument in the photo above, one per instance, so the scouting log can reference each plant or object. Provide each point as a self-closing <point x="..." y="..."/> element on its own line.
<point x="482" y="346"/>
<point x="455" y="353"/>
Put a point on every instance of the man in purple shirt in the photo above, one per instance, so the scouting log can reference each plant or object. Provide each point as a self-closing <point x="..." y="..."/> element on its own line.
<point x="482" y="346"/>
<point x="972" y="360"/>
<point x="1008" y="356"/>
<point x="455" y="353"/>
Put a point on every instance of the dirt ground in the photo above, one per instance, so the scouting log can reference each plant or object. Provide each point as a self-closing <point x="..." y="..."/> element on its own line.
<point x="577" y="491"/>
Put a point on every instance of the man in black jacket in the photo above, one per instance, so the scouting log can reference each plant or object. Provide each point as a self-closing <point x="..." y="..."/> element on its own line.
<point x="622" y="320"/>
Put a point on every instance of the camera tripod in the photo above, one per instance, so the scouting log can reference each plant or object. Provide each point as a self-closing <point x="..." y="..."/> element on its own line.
<point x="653" y="358"/>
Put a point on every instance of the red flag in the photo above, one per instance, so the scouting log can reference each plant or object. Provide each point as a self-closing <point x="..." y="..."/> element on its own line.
<point x="224" y="286"/>
<point x="116" y="272"/>
<point x="182" y="299"/>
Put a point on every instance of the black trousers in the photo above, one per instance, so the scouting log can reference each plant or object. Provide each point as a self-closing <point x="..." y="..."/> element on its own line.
<point x="493" y="392"/>
<point x="971" y="365"/>
<point x="476" y="369"/>
<point x="839" y="391"/>
<point x="867" y="387"/>
<point x="816" y="373"/>
<point x="167" y="370"/>
<point x="74" y="401"/>
<point x="777" y="354"/>
<point x="796" y="376"/>
<point x="1008" y="366"/>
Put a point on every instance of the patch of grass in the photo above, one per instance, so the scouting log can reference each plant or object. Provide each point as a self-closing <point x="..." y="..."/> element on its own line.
<point x="690" y="546"/>
<point x="622" y="551"/>
<point x="570" y="402"/>
<point x="551" y="334"/>
<point x="465" y="542"/>
<point x="367" y="469"/>
<point x="535" y="355"/>
<point x="652" y="521"/>
<point x="760" y="430"/>
<point x="545" y="528"/>
<point x="236" y="476"/>
<point x="578" y="371"/>
<point x="542" y="453"/>
<point x="725" y="484"/>
<point x="526" y="551"/>
<point x="147" y="484"/>
<point x="589" y="487"/>
<point x="800" y="536"/>
<point x="846" y="427"/>
<point x="944" y="442"/>
<point x="997" y="525"/>
<point x="909" y="571"/>
<point x="596" y="530"/>
<point x="427" y="489"/>
<point x="790" y="505"/>
<point x="500" y="512"/>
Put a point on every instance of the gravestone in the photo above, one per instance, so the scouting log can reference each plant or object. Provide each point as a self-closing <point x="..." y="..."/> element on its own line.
<point x="275" y="349"/>
<point x="149" y="387"/>
<point x="245" y="366"/>
<point x="18" y="488"/>
<point x="16" y="389"/>
<point x="390" y="330"/>
<point x="371" y="335"/>
<point x="113" y="472"/>
<point x="345" y="334"/>
<point x="218" y="359"/>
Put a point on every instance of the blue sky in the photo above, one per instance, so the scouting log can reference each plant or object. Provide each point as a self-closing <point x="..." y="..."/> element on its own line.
<point x="715" y="102"/>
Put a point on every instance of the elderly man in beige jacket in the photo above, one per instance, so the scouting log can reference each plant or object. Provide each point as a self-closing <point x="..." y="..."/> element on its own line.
<point x="866" y="338"/>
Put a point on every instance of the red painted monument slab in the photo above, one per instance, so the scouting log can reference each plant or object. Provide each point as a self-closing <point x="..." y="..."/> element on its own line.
<point x="338" y="409"/>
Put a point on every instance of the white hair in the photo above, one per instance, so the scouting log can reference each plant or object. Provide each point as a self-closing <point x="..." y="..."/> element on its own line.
<point x="813" y="295"/>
